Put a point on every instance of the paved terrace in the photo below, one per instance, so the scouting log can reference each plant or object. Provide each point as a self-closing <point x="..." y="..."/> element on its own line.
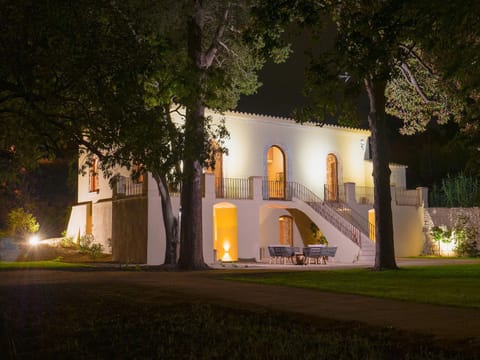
<point x="443" y="322"/>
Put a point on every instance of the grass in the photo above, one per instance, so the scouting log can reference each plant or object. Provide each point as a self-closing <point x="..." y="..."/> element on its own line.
<point x="47" y="264"/>
<point x="456" y="285"/>
<point x="125" y="321"/>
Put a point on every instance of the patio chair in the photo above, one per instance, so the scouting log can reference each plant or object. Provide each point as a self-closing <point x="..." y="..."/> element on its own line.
<point x="271" y="252"/>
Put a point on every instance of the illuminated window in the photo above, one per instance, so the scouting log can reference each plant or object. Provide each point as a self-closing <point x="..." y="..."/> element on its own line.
<point x="332" y="178"/>
<point x="138" y="169"/>
<point x="286" y="230"/>
<point x="93" y="175"/>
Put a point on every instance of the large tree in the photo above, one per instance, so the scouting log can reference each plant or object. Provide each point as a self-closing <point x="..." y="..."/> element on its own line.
<point x="223" y="66"/>
<point x="105" y="75"/>
<point x="376" y="52"/>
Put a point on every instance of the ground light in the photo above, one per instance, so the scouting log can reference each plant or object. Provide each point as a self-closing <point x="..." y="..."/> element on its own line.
<point x="34" y="240"/>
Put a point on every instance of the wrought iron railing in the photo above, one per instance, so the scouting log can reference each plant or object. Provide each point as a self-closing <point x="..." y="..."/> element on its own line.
<point x="364" y="195"/>
<point x="334" y="193"/>
<point x="231" y="188"/>
<point x="340" y="222"/>
<point x="275" y="190"/>
<point x="125" y="186"/>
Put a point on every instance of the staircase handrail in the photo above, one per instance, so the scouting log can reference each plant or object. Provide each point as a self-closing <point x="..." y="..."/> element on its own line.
<point x="304" y="194"/>
<point x="360" y="221"/>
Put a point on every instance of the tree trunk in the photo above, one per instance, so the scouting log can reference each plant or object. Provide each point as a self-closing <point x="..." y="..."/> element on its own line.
<point x="384" y="246"/>
<point x="191" y="239"/>
<point x="169" y="220"/>
<point x="191" y="236"/>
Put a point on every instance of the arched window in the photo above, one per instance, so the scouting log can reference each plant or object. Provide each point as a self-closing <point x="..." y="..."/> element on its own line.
<point x="331" y="189"/>
<point x="93" y="175"/>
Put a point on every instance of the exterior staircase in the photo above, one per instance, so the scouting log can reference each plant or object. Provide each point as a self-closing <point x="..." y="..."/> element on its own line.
<point x="341" y="216"/>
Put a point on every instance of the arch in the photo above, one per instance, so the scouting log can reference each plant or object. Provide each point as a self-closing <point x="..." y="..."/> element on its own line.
<point x="276" y="172"/>
<point x="225" y="232"/>
<point x="331" y="189"/>
<point x="286" y="230"/>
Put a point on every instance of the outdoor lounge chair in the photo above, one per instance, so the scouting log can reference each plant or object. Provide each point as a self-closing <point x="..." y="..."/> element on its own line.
<point x="318" y="253"/>
<point x="279" y="253"/>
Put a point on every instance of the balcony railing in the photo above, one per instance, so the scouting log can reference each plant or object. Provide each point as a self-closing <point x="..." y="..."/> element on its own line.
<point x="125" y="186"/>
<point x="364" y="195"/>
<point x="231" y="188"/>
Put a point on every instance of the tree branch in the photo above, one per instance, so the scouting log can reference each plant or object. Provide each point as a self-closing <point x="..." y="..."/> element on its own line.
<point x="411" y="79"/>
<point x="410" y="51"/>
<point x="212" y="50"/>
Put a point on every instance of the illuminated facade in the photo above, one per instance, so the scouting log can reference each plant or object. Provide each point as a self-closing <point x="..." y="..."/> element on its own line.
<point x="280" y="183"/>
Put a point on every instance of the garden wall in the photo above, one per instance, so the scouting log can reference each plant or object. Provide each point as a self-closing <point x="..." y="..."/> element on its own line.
<point x="450" y="218"/>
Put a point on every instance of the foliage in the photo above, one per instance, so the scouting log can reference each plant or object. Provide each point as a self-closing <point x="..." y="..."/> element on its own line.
<point x="21" y="223"/>
<point x="455" y="191"/>
<point x="67" y="241"/>
<point x="466" y="237"/>
<point x="463" y="235"/>
<point x="317" y="234"/>
<point x="88" y="246"/>
<point x="442" y="234"/>
<point x="417" y="104"/>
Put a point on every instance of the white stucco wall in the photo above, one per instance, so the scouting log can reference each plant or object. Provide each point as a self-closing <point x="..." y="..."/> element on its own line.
<point x="306" y="148"/>
<point x="408" y="230"/>
<point x="77" y="222"/>
<point x="102" y="224"/>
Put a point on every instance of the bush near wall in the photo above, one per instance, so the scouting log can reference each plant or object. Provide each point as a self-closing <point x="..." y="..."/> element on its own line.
<point x="460" y="225"/>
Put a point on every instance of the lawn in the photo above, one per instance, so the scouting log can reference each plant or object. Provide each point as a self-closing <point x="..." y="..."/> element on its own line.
<point x="456" y="285"/>
<point x="130" y="321"/>
<point x="47" y="264"/>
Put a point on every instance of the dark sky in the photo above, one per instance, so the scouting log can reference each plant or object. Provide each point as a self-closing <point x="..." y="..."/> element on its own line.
<point x="281" y="91"/>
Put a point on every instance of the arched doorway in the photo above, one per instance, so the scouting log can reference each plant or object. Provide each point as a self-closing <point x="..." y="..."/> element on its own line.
<point x="286" y="230"/>
<point x="276" y="172"/>
<point x="225" y="232"/>
<point x="331" y="190"/>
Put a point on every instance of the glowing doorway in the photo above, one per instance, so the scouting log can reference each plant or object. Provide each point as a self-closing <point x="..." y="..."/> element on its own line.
<point x="225" y="232"/>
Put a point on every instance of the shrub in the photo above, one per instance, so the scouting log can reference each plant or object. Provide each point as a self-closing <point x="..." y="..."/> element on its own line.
<point x="67" y="241"/>
<point x="466" y="237"/>
<point x="21" y="223"/>
<point x="88" y="246"/>
<point x="95" y="251"/>
<point x="462" y="235"/>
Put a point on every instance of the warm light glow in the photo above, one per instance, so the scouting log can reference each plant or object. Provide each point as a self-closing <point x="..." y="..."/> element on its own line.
<point x="447" y="248"/>
<point x="225" y="241"/>
<point x="33" y="240"/>
<point x="226" y="247"/>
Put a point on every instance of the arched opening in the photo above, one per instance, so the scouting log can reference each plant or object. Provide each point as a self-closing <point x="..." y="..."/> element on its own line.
<point x="331" y="189"/>
<point x="225" y="232"/>
<point x="276" y="173"/>
<point x="286" y="230"/>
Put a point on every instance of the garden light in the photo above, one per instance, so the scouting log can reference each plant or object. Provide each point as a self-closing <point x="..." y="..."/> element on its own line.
<point x="33" y="240"/>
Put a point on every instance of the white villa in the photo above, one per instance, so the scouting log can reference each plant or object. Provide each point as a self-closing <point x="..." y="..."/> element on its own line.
<point x="277" y="182"/>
